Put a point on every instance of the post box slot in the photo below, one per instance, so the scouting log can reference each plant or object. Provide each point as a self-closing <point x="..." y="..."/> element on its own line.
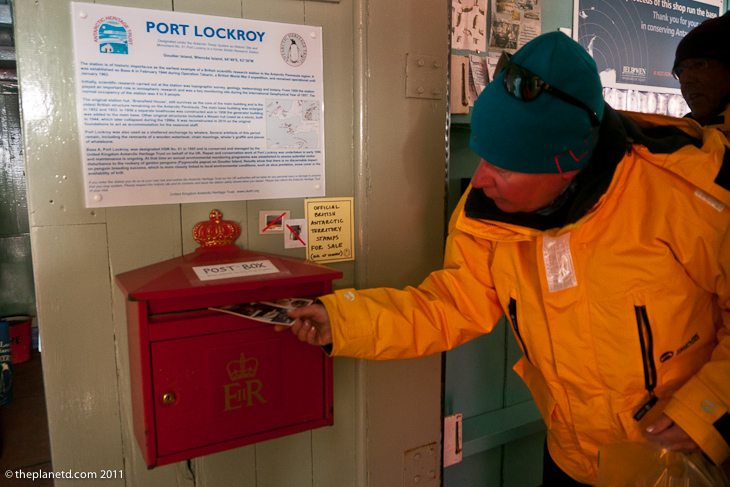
<point x="204" y="322"/>
<point x="223" y="296"/>
<point x="168" y="326"/>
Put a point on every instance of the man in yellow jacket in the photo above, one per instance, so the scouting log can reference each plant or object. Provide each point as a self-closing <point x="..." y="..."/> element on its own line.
<point x="604" y="238"/>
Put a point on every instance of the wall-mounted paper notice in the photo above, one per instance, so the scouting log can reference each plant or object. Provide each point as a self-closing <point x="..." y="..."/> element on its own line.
<point x="295" y="233"/>
<point x="469" y="24"/>
<point x="176" y="107"/>
<point x="331" y="228"/>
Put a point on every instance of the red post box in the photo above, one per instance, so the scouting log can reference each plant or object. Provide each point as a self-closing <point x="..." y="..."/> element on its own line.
<point x="204" y="381"/>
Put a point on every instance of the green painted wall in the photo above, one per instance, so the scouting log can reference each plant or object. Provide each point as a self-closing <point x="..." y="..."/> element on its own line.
<point x="17" y="295"/>
<point x="382" y="147"/>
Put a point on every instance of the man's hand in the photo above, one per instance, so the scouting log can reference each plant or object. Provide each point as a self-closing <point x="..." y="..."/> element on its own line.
<point x="312" y="325"/>
<point x="666" y="434"/>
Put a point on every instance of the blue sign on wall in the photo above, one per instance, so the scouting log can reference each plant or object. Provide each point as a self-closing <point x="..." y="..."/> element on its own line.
<point x="633" y="41"/>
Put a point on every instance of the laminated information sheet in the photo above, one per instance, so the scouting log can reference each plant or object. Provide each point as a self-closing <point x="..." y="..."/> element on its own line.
<point x="176" y="107"/>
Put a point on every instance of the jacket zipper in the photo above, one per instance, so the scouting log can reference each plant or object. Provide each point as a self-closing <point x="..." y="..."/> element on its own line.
<point x="512" y="310"/>
<point x="647" y="357"/>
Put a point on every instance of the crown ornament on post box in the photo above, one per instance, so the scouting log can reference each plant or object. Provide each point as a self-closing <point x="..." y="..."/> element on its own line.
<point x="216" y="233"/>
<point x="242" y="368"/>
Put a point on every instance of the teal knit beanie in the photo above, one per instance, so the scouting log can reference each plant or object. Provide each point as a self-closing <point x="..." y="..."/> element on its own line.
<point x="547" y="134"/>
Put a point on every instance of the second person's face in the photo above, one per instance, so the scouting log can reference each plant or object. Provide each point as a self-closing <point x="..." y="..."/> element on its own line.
<point x="705" y="85"/>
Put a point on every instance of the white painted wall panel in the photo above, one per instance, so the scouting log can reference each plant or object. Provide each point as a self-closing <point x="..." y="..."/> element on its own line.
<point x="74" y="303"/>
<point x="48" y="111"/>
<point x="139" y="236"/>
<point x="403" y="225"/>
<point x="380" y="409"/>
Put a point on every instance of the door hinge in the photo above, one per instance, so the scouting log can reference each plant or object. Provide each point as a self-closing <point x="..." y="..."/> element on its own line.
<point x="452" y="439"/>
<point x="425" y="76"/>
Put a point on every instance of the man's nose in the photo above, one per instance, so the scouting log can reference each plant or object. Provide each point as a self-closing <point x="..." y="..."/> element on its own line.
<point x="483" y="175"/>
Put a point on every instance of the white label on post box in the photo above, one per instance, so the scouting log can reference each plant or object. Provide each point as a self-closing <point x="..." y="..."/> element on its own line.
<point x="238" y="269"/>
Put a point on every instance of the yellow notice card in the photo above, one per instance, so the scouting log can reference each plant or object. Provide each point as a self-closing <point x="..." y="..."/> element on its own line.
<point x="331" y="229"/>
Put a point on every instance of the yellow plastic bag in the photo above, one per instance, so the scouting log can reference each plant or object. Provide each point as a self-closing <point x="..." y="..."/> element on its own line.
<point x="634" y="464"/>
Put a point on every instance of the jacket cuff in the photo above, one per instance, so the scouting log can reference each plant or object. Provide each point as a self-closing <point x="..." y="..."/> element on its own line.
<point x="703" y="417"/>
<point x="352" y="337"/>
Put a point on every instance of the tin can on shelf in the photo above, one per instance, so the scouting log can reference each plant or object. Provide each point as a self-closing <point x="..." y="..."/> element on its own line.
<point x="20" y="337"/>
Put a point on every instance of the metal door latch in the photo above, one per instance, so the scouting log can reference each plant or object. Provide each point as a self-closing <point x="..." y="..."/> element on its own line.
<point x="452" y="439"/>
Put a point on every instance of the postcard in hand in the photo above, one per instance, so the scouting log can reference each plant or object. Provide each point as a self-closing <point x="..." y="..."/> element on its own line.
<point x="274" y="312"/>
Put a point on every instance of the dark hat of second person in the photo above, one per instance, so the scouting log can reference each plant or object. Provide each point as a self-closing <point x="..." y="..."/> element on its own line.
<point x="710" y="39"/>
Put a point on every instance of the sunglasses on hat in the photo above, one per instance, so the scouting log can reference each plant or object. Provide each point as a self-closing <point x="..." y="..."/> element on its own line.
<point x="524" y="85"/>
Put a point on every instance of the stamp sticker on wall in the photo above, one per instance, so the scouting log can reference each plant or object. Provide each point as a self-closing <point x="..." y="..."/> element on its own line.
<point x="272" y="221"/>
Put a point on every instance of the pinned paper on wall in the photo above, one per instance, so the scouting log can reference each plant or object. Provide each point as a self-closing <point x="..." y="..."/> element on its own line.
<point x="295" y="233"/>
<point x="272" y="221"/>
<point x="478" y="76"/>
<point x="331" y="229"/>
<point x="469" y="24"/>
<point x="514" y="24"/>
<point x="469" y="76"/>
<point x="492" y="62"/>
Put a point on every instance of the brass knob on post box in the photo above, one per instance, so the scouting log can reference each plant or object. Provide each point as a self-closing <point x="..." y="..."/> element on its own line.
<point x="169" y="398"/>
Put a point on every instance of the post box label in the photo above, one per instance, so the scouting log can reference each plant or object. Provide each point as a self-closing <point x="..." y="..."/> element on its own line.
<point x="237" y="269"/>
<point x="244" y="388"/>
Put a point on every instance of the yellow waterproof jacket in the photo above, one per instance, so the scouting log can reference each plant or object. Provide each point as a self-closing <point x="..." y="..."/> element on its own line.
<point x="627" y="306"/>
<point x="723" y="122"/>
